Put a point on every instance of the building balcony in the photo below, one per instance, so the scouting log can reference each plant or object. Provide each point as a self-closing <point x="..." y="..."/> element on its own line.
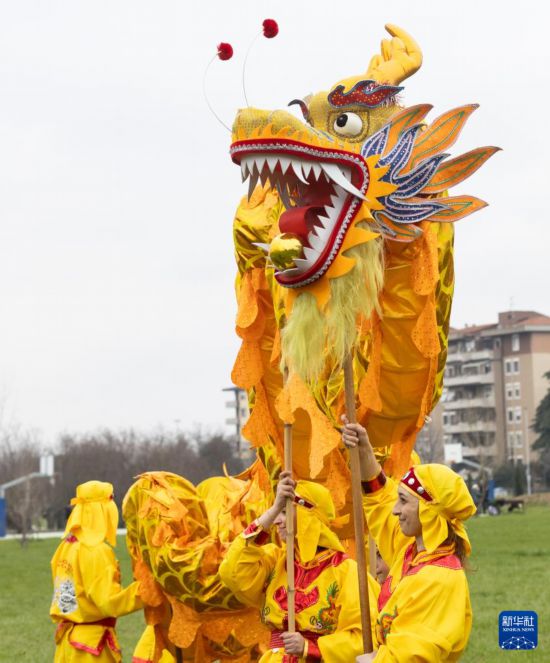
<point x="479" y="452"/>
<point x="470" y="403"/>
<point x="459" y="380"/>
<point x="470" y="427"/>
<point x="466" y="357"/>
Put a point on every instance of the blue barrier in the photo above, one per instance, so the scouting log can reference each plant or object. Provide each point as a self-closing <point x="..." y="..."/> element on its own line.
<point x="2" y="517"/>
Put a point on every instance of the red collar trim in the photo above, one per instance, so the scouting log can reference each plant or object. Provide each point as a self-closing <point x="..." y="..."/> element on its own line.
<point x="446" y="560"/>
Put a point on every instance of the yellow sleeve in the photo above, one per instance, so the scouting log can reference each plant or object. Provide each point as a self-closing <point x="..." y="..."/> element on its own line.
<point x="346" y="642"/>
<point x="428" y="626"/>
<point x="100" y="578"/>
<point x="246" y="568"/>
<point x="382" y="524"/>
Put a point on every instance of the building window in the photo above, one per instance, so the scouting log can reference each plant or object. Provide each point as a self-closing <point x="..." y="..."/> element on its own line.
<point x="509" y="391"/>
<point x="517" y="390"/>
<point x="510" y="415"/>
<point x="511" y="366"/>
<point x="511" y="440"/>
<point x="449" y="419"/>
<point x="515" y="342"/>
<point x="519" y="439"/>
<point x="517" y="412"/>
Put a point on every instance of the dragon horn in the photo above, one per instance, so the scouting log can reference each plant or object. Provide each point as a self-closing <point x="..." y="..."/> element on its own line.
<point x="399" y="58"/>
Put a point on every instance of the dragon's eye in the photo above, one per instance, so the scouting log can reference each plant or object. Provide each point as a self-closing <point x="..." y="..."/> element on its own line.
<point x="348" y="124"/>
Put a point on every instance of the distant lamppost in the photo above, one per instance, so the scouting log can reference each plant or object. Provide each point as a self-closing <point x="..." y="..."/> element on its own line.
<point x="527" y="451"/>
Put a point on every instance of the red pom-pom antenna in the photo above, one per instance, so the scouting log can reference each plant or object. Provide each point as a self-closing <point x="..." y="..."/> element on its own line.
<point x="271" y="29"/>
<point x="225" y="51"/>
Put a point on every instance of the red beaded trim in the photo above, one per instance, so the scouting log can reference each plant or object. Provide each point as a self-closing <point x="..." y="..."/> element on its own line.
<point x="412" y="482"/>
<point x="374" y="484"/>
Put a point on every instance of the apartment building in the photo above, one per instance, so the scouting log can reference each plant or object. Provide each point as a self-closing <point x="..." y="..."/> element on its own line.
<point x="494" y="381"/>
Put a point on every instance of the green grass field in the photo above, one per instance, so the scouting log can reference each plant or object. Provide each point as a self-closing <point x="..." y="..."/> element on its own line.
<point x="511" y="571"/>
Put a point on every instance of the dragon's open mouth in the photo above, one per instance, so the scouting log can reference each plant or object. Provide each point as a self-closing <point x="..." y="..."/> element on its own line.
<point x="322" y="190"/>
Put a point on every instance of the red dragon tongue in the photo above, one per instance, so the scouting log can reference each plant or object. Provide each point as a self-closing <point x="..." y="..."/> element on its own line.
<point x="299" y="220"/>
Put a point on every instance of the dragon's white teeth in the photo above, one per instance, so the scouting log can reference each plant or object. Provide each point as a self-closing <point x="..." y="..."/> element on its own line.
<point x="290" y="272"/>
<point x="285" y="163"/>
<point x="244" y="170"/>
<point x="323" y="233"/>
<point x="272" y="163"/>
<point x="283" y="193"/>
<point x="296" y="167"/>
<point x="263" y="247"/>
<point x="316" y="242"/>
<point x="336" y="175"/>
<point x="302" y="265"/>
<point x="260" y="162"/>
<point x="317" y="170"/>
<point x="341" y="193"/>
<point x="311" y="254"/>
<point x="253" y="181"/>
<point x="306" y="168"/>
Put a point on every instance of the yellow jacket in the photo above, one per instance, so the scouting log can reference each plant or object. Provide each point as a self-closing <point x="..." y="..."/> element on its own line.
<point x="425" y="613"/>
<point x="87" y="599"/>
<point x="327" y="599"/>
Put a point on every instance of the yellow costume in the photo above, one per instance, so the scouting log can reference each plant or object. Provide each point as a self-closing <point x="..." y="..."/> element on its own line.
<point x="87" y="595"/>
<point x="418" y="620"/>
<point x="326" y="599"/>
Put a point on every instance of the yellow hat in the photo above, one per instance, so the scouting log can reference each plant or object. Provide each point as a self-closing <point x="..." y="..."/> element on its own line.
<point x="315" y="510"/>
<point x="94" y="517"/>
<point x="444" y="501"/>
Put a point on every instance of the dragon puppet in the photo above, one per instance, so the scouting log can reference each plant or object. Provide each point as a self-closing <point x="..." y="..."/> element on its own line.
<point x="344" y="245"/>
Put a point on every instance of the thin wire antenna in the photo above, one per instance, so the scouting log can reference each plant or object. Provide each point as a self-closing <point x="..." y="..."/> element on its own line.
<point x="270" y="29"/>
<point x="244" y="66"/>
<point x="225" y="52"/>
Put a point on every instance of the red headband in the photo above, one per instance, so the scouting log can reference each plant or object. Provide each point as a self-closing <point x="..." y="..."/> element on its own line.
<point x="412" y="482"/>
<point x="303" y="502"/>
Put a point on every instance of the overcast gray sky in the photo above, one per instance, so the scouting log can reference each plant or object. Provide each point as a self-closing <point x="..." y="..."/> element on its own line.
<point x="117" y="192"/>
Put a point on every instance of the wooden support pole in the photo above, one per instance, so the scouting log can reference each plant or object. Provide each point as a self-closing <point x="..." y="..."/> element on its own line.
<point x="291" y="590"/>
<point x="358" y="518"/>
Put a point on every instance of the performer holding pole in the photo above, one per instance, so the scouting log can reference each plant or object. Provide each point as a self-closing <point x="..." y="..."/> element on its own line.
<point x="328" y="620"/>
<point x="418" y="527"/>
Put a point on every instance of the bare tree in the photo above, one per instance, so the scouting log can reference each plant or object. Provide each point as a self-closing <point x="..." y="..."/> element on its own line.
<point x="20" y="457"/>
<point x="429" y="444"/>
